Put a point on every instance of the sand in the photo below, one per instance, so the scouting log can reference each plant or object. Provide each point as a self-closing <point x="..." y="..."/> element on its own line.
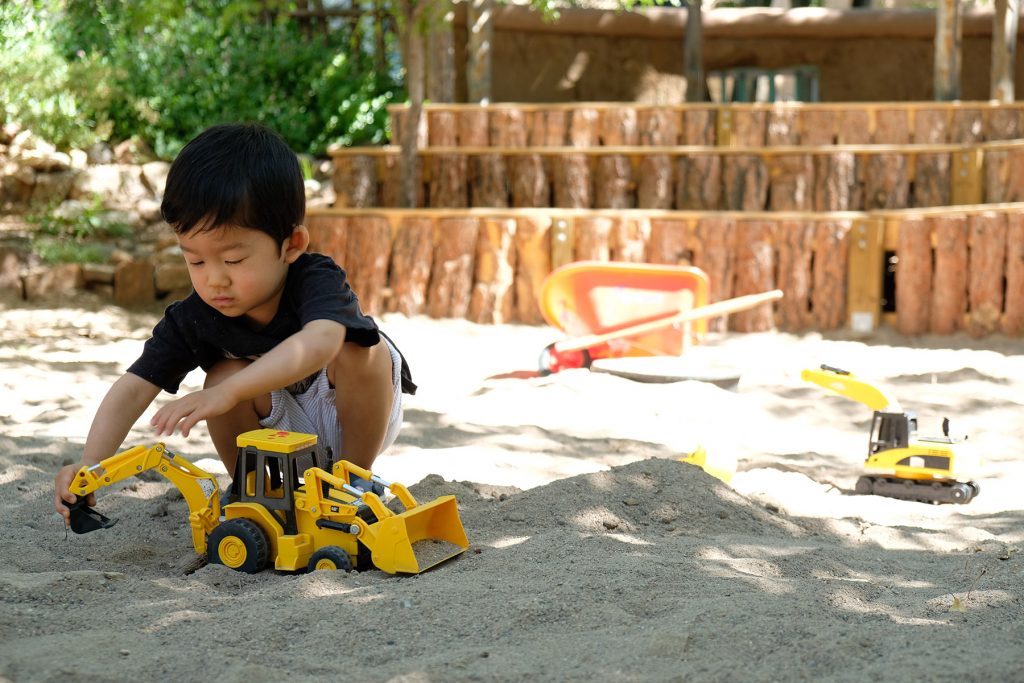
<point x="594" y="554"/>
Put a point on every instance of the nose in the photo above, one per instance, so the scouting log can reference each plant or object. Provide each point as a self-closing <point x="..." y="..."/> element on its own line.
<point x="218" y="277"/>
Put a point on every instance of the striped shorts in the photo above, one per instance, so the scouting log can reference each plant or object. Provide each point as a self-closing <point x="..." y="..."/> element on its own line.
<point x="315" y="411"/>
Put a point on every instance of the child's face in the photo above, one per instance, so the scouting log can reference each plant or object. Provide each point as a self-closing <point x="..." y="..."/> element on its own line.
<point x="240" y="271"/>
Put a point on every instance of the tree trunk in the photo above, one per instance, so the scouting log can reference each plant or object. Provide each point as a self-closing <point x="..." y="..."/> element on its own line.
<point x="441" y="58"/>
<point x="693" y="54"/>
<point x="948" y="38"/>
<point x="412" y="51"/>
<point x="481" y="34"/>
<point x="1004" y="48"/>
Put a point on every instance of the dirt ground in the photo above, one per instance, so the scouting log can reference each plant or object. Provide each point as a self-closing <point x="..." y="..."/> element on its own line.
<point x="594" y="554"/>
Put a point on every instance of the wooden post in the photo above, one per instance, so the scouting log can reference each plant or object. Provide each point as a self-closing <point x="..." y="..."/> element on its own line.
<point x="1012" y="323"/>
<point x="864" y="275"/>
<point x="986" y="243"/>
<point x="795" y="248"/>
<point x="1004" y="49"/>
<point x="593" y="238"/>
<point x="913" y="275"/>
<point x="669" y="242"/>
<point x="355" y="181"/>
<point x="533" y="263"/>
<point x="629" y="239"/>
<point x="968" y="187"/>
<point x="480" y="23"/>
<point x="792" y="182"/>
<point x="411" y="260"/>
<point x="755" y="272"/>
<point x="451" y="280"/>
<point x="367" y="253"/>
<point x="328" y="235"/>
<point x="932" y="180"/>
<point x="492" y="298"/>
<point x="949" y="288"/>
<point x="448" y="181"/>
<point x="948" y="39"/>
<point x="886" y="182"/>
<point x="831" y="274"/>
<point x="745" y="183"/>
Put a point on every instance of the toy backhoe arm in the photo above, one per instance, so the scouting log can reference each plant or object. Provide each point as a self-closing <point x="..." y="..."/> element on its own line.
<point x="197" y="486"/>
<point x="846" y="384"/>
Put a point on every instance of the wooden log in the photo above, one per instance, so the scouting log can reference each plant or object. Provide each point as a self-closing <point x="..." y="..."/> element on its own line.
<point x="949" y="285"/>
<point x="783" y="127"/>
<point x="1002" y="123"/>
<point x="584" y="128"/>
<point x="367" y="254"/>
<point x="996" y="172"/>
<point x="629" y="239"/>
<point x="932" y="180"/>
<point x="750" y="127"/>
<point x="795" y="250"/>
<point x="698" y="183"/>
<point x="835" y="182"/>
<point x="670" y="242"/>
<point x="745" y="183"/>
<point x="493" y="296"/>
<point x="572" y="181"/>
<point x="390" y="173"/>
<point x="618" y="126"/>
<point x="968" y="125"/>
<point x="489" y="185"/>
<point x="698" y="127"/>
<point x="886" y="182"/>
<point x="755" y="272"/>
<point x="659" y="126"/>
<point x="931" y="126"/>
<point x="593" y="238"/>
<point x="892" y="127"/>
<point x="1014" y="191"/>
<point x="449" y="186"/>
<point x="914" y="276"/>
<point x="986" y="243"/>
<point x="328" y="235"/>
<point x="654" y="186"/>
<point x="818" y="127"/>
<point x="529" y="180"/>
<point x="451" y="278"/>
<point x="412" y="255"/>
<point x="714" y="254"/>
<point x="792" y="182"/>
<point x="613" y="183"/>
<point x="854" y="127"/>
<point x="355" y="181"/>
<point x="550" y="128"/>
<point x="533" y="263"/>
<point x="1012" y="323"/>
<point x="828" y="289"/>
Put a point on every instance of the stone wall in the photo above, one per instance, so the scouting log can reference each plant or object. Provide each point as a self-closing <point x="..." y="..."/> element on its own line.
<point x="102" y="186"/>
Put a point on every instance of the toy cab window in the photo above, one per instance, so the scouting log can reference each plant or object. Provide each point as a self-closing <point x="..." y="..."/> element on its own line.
<point x="275" y="477"/>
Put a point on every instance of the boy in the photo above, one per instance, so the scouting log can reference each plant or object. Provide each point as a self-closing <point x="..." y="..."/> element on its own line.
<point x="278" y="331"/>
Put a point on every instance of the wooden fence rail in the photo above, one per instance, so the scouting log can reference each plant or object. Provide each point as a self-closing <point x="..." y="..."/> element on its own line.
<point x="583" y="124"/>
<point x="959" y="269"/>
<point x="690" y="178"/>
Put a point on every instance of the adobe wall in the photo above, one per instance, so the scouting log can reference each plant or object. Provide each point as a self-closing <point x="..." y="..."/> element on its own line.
<point x="596" y="55"/>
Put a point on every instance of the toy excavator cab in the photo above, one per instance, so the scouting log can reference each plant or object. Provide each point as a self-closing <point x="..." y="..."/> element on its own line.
<point x="891" y="430"/>
<point x="267" y="471"/>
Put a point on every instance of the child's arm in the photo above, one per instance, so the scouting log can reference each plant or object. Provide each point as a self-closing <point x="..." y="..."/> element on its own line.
<point x="296" y="358"/>
<point x="124" y="403"/>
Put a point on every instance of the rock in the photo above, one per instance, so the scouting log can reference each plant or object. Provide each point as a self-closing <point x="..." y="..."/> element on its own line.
<point x="79" y="159"/>
<point x="10" y="271"/>
<point x="133" y="284"/>
<point x="148" y="210"/>
<point x="171" y="277"/>
<point x="45" y="160"/>
<point x="102" y="180"/>
<point x="102" y="273"/>
<point x="53" y="281"/>
<point x="52" y="188"/>
<point x="100" y="153"/>
<point x="133" y="151"/>
<point x="154" y="175"/>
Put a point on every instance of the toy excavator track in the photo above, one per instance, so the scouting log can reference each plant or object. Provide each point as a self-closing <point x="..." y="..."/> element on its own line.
<point x="922" y="491"/>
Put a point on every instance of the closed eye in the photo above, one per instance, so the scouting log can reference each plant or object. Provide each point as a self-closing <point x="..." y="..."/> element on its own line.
<point x="233" y="263"/>
<point x="195" y="263"/>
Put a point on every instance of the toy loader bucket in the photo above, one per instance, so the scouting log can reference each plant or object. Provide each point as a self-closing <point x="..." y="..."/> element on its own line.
<point x="419" y="538"/>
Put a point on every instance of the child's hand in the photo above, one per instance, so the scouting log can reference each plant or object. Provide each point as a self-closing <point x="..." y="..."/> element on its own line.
<point x="61" y="494"/>
<point x="188" y="410"/>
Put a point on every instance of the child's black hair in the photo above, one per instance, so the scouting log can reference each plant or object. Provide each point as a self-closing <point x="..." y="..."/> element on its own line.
<point x="235" y="174"/>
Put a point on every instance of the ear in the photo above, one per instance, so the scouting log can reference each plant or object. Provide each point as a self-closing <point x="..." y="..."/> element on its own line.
<point x="295" y="245"/>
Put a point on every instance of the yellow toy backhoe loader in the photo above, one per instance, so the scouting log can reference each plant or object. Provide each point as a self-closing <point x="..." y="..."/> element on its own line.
<point x="910" y="467"/>
<point x="318" y="520"/>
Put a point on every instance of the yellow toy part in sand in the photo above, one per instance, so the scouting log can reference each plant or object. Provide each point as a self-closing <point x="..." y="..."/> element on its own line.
<point x="719" y="466"/>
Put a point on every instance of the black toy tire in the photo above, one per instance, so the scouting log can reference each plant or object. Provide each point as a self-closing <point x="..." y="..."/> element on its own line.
<point x="239" y="544"/>
<point x="960" y="493"/>
<point x="330" y="557"/>
<point x="864" y="486"/>
<point x="975" y="488"/>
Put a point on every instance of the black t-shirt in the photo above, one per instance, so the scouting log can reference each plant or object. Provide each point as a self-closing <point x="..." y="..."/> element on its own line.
<point x="194" y="335"/>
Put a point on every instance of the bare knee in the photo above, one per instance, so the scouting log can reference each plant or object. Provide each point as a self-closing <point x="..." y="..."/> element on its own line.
<point x="361" y="364"/>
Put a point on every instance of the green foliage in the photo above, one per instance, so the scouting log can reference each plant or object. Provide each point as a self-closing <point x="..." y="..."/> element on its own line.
<point x="75" y="237"/>
<point x="164" y="71"/>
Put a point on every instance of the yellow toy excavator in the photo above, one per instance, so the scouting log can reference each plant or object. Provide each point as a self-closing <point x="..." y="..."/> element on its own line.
<point x="284" y="510"/>
<point x="906" y="466"/>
